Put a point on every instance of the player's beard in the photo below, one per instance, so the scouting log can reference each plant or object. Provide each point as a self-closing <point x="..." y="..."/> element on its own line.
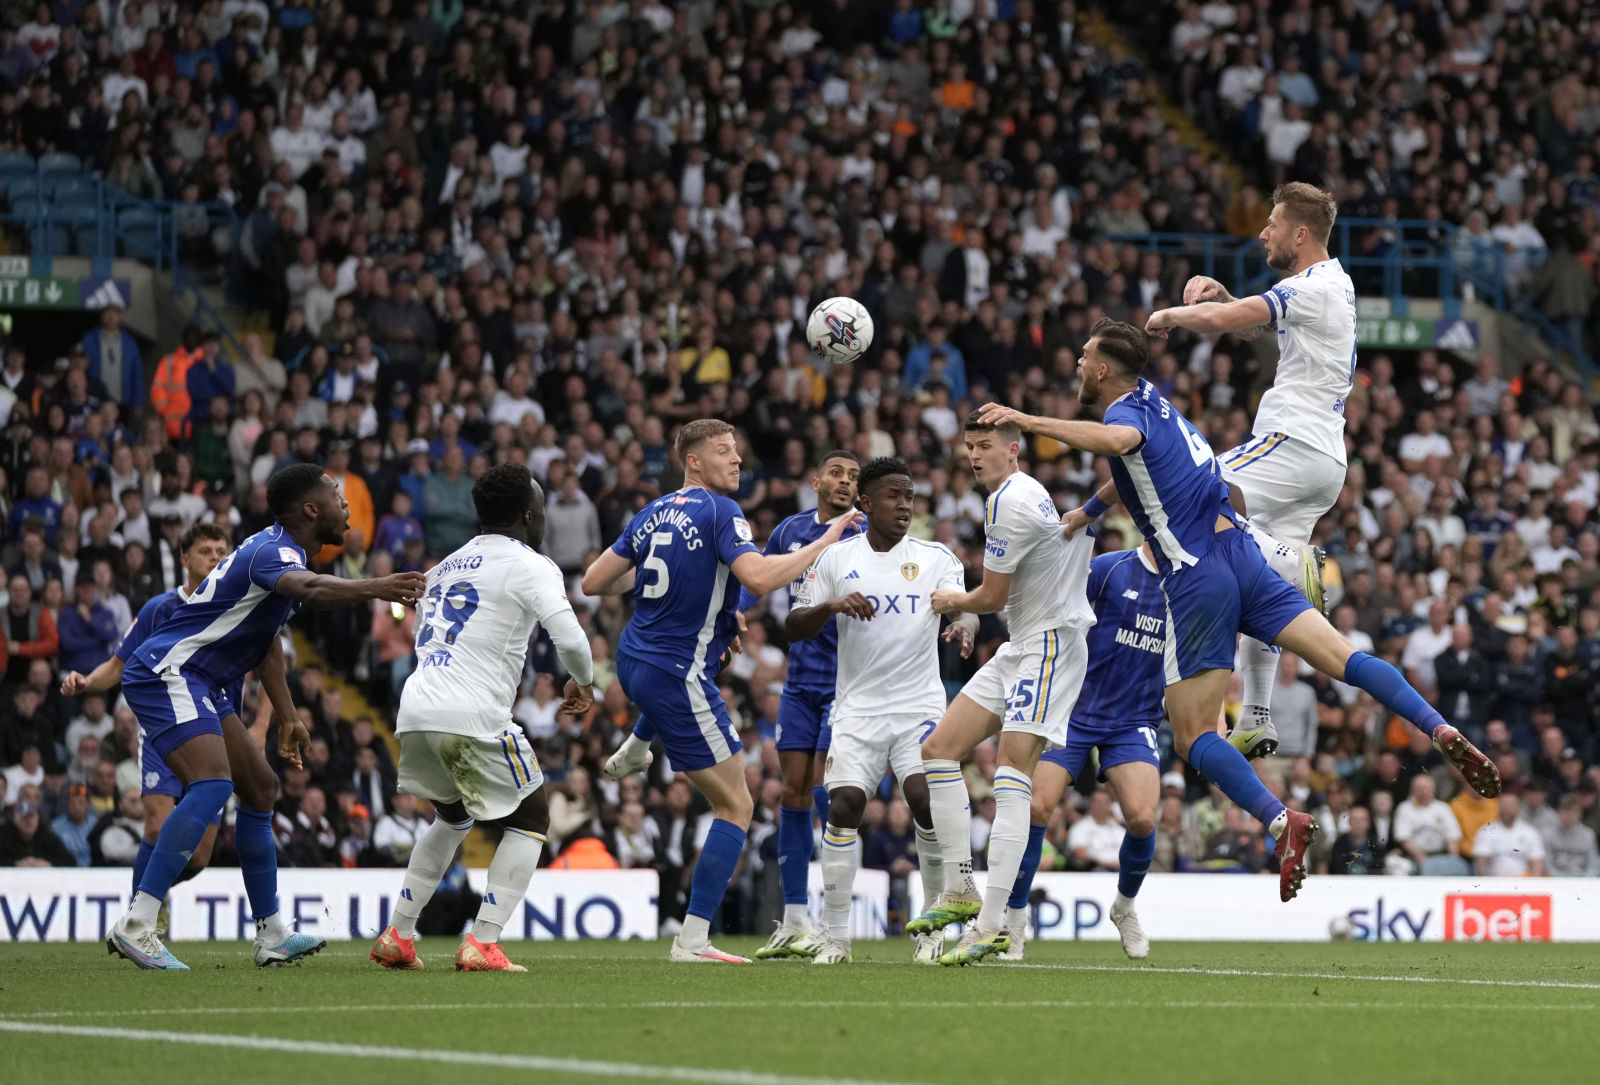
<point x="1088" y="390"/>
<point x="1278" y="260"/>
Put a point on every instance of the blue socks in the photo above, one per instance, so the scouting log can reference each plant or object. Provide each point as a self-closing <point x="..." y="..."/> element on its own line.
<point x="1390" y="689"/>
<point x="794" y="852"/>
<point x="1134" y="862"/>
<point x="142" y="860"/>
<point x="1227" y="768"/>
<point x="181" y="834"/>
<point x="820" y="800"/>
<point x="258" y="860"/>
<point x="1031" y="855"/>
<point x="714" y="869"/>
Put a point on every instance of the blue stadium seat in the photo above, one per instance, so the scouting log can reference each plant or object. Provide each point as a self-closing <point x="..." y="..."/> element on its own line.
<point x="69" y="191"/>
<point x="60" y="162"/>
<point x="138" y="232"/>
<point x="13" y="163"/>
<point x="21" y="186"/>
<point x="60" y="241"/>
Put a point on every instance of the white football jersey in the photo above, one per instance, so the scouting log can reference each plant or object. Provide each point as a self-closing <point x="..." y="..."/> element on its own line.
<point x="473" y="629"/>
<point x="1315" y="316"/>
<point x="1049" y="572"/>
<point x="890" y="665"/>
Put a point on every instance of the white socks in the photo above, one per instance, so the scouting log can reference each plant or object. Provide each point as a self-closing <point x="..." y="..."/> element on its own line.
<point x="510" y="871"/>
<point x="796" y="917"/>
<point x="429" y="860"/>
<point x="1121" y="905"/>
<point x="841" y="858"/>
<point x="273" y="929"/>
<point x="1018" y="922"/>
<point x="145" y="909"/>
<point x="930" y="864"/>
<point x="1258" y="671"/>
<point x="952" y="822"/>
<point x="696" y="932"/>
<point x="1013" y="803"/>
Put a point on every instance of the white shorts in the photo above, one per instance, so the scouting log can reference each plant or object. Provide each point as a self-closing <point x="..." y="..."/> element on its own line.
<point x="1287" y="484"/>
<point x="863" y="750"/>
<point x="489" y="775"/>
<point x="1032" y="685"/>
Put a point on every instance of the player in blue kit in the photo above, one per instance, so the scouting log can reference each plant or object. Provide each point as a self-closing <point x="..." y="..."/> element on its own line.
<point x="1217" y="583"/>
<point x="807" y="701"/>
<point x="201" y="549"/>
<point x="175" y="681"/>
<point x="1118" y="714"/>
<point x="677" y="557"/>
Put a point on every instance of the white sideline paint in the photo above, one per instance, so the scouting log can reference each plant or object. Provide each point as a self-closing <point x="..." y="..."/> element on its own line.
<point x="1560" y="985"/>
<point x="547" y="1063"/>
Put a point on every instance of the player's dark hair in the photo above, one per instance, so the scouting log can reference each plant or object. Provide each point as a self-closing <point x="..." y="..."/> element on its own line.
<point x="696" y="433"/>
<point x="879" y="469"/>
<point x="504" y="493"/>
<point x="835" y="454"/>
<point x="214" y="532"/>
<point x="1008" y="431"/>
<point x="289" y="488"/>
<point x="1121" y="344"/>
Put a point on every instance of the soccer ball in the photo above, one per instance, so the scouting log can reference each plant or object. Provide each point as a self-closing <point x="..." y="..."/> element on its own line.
<point x="840" y="330"/>
<point x="1340" y="929"/>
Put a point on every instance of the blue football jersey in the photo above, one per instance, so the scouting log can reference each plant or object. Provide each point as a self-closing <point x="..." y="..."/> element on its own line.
<point x="812" y="663"/>
<point x="151" y="617"/>
<point x="1170" y="483"/>
<point x="1125" y="684"/>
<point x="684" y="597"/>
<point x="226" y="627"/>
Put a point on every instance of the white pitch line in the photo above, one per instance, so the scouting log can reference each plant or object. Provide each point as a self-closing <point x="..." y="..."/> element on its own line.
<point x="830" y="1004"/>
<point x="545" y="1063"/>
<point x="1561" y="985"/>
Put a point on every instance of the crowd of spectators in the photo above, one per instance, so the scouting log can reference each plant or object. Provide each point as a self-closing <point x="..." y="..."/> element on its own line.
<point x="551" y="235"/>
<point x="1483" y="115"/>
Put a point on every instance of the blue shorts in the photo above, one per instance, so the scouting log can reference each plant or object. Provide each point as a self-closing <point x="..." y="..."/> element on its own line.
<point x="688" y="715"/>
<point x="1231" y="591"/>
<point x="804" y="720"/>
<point x="155" y="778"/>
<point x="1124" y="744"/>
<point x="172" y="708"/>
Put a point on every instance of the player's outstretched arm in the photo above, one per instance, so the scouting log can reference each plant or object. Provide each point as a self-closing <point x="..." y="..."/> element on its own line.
<point x="1205" y="288"/>
<point x="98" y="680"/>
<point x="1096" y="437"/>
<point x="803" y="623"/>
<point x="610" y="574"/>
<point x="319" y="592"/>
<point x="761" y="573"/>
<point x="1211" y="317"/>
<point x="965" y="631"/>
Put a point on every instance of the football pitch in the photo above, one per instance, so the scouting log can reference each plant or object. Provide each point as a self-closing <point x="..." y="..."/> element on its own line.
<point x="1193" y="1012"/>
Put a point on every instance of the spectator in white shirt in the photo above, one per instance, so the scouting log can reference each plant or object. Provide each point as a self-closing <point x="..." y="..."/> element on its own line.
<point x="1424" y="645"/>
<point x="1508" y="847"/>
<point x="352" y="149"/>
<point x="1097" y="839"/>
<point x="295" y="143"/>
<point x="512" y="402"/>
<point x="1425" y="827"/>
<point x="396" y="833"/>
<point x="1415" y="448"/>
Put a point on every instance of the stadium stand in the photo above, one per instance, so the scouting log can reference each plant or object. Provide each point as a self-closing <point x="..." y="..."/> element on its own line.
<point x="553" y="232"/>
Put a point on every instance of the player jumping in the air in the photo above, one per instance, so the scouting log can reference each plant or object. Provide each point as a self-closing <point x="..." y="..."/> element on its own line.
<point x="1217" y="583"/>
<point x="684" y="557"/>
<point x="1025" y="692"/>
<point x="807" y="701"/>
<point x="876" y="591"/>
<point x="1291" y="470"/>
<point x="174" y="683"/>
<point x="458" y="744"/>
<point x="1118" y="714"/>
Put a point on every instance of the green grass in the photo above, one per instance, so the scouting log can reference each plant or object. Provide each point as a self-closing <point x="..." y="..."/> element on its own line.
<point x="1075" y="1012"/>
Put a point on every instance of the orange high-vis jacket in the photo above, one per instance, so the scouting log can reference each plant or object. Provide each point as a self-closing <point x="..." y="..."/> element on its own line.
<point x="585" y="854"/>
<point x="169" y="395"/>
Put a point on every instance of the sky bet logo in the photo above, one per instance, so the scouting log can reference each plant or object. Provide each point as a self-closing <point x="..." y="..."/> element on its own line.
<point x="1481" y="917"/>
<point x="1382" y="924"/>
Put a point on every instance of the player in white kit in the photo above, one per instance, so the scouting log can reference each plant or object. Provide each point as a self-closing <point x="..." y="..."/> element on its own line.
<point x="1025" y="693"/>
<point x="458" y="744"/>
<point x="878" y="588"/>
<point x="1291" y="470"/>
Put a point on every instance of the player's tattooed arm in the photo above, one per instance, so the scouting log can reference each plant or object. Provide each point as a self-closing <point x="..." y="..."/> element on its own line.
<point x="963" y="631"/>
<point x="1211" y="317"/>
<point x="1204" y="288"/>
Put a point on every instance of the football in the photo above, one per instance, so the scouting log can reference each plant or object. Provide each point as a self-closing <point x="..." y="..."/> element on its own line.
<point x="840" y="330"/>
<point x="1340" y="929"/>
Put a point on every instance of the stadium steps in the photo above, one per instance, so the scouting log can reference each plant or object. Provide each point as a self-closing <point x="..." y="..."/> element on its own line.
<point x="1190" y="133"/>
<point x="478" y="849"/>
